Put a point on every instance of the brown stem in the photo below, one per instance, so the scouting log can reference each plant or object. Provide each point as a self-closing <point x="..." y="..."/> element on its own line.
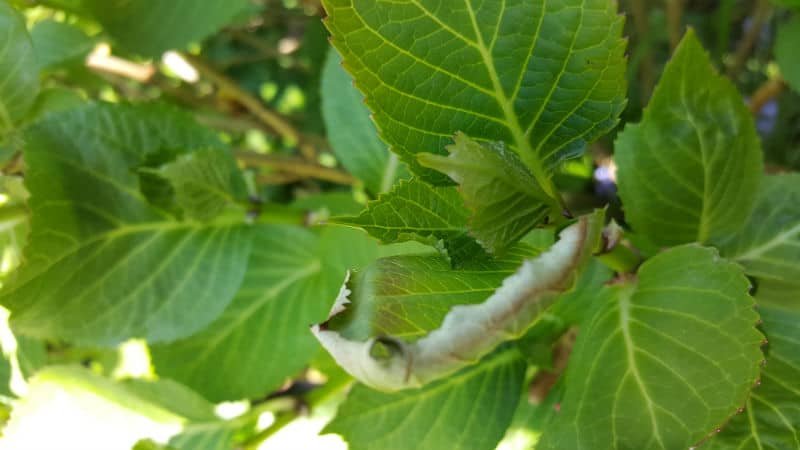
<point x="295" y="167"/>
<point x="275" y="121"/>
<point x="647" y="71"/>
<point x="675" y="22"/>
<point x="544" y="380"/>
<point x="769" y="90"/>
<point x="314" y="398"/>
<point x="748" y="41"/>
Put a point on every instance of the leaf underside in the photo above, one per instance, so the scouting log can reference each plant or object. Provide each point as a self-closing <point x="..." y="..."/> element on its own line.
<point x="468" y="332"/>
<point x="467" y="411"/>
<point x="415" y="210"/>
<point x="101" y="257"/>
<point x="262" y="338"/>
<point x="768" y="246"/>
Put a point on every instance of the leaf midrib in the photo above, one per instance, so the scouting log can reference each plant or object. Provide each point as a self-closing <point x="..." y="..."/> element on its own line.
<point x="457" y="380"/>
<point x="111" y="235"/>
<point x="512" y="120"/>
<point x="777" y="240"/>
<point x="624" y="307"/>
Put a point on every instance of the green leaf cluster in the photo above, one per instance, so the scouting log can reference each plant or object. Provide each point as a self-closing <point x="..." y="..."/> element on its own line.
<point x="442" y="294"/>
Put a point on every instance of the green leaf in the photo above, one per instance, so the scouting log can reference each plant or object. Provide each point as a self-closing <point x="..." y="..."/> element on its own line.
<point x="150" y="27"/>
<point x="262" y="338"/>
<point x="415" y="210"/>
<point x="5" y="376"/>
<point x="505" y="199"/>
<point x="31" y="355"/>
<point x="206" y="182"/>
<point x="408" y="296"/>
<point x="56" y="43"/>
<point x="102" y="413"/>
<point x="103" y="264"/>
<point x="771" y="418"/>
<point x="467" y="411"/>
<point x="769" y="244"/>
<point x="468" y="332"/>
<point x="690" y="170"/>
<point x="684" y="325"/>
<point x="54" y="99"/>
<point x="352" y="134"/>
<point x="785" y="51"/>
<point x="543" y="77"/>
<point x="19" y="76"/>
<point x="787" y="3"/>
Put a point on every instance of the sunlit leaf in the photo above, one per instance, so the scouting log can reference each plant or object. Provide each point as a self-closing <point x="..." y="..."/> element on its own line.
<point x="543" y="77"/>
<point x="684" y="325"/>
<point x="82" y="410"/>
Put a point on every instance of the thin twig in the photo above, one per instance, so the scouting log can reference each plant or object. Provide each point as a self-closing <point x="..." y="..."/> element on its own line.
<point x="274" y="120"/>
<point x="314" y="398"/>
<point x="748" y="41"/>
<point x="295" y="166"/>
<point x="647" y="71"/>
<point x="769" y="90"/>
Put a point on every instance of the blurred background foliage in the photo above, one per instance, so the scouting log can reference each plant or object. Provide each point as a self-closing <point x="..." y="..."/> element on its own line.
<point x="261" y="73"/>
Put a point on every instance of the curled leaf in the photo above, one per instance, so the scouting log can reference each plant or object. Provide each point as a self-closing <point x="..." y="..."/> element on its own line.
<point x="468" y="332"/>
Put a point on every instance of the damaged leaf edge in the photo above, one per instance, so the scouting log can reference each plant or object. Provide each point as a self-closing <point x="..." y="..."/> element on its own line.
<point x="468" y="332"/>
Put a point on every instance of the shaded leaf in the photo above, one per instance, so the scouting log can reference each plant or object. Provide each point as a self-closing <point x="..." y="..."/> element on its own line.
<point x="769" y="244"/>
<point x="206" y="182"/>
<point x="685" y="325"/>
<point x="505" y="199"/>
<point x="150" y="27"/>
<point x="467" y="411"/>
<point x="57" y="43"/>
<point x="19" y="76"/>
<point x="785" y="48"/>
<point x="690" y="170"/>
<point x="103" y="264"/>
<point x="543" y="77"/>
<point x="353" y="136"/>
